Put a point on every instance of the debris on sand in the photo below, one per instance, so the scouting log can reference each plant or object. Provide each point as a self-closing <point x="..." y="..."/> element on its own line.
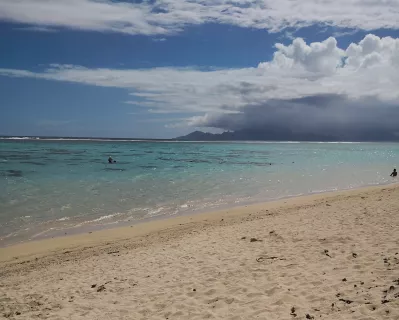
<point x="263" y="258"/>
<point x="101" y="288"/>
<point x="111" y="252"/>
<point x="326" y="253"/>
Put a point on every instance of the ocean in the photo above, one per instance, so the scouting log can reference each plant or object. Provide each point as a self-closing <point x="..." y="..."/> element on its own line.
<point x="55" y="187"/>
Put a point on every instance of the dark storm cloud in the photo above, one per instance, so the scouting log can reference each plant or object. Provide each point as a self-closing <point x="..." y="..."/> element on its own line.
<point x="334" y="116"/>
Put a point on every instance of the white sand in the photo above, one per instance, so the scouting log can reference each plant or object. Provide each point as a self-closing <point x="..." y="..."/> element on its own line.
<point x="333" y="257"/>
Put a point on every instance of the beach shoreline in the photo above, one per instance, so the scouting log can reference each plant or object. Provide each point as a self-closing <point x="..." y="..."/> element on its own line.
<point x="97" y="234"/>
<point x="330" y="256"/>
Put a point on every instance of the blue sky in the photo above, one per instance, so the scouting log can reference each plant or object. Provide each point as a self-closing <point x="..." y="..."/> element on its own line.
<point x="133" y="73"/>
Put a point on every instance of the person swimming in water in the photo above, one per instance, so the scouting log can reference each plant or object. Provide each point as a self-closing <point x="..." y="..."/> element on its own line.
<point x="394" y="173"/>
<point x="110" y="160"/>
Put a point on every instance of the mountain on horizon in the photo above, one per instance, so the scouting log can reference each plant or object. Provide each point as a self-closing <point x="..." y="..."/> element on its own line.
<point x="254" y="135"/>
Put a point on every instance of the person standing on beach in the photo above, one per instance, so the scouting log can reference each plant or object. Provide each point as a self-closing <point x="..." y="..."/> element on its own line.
<point x="394" y="173"/>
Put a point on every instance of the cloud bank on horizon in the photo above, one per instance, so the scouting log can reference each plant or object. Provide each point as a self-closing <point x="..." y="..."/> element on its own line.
<point x="316" y="87"/>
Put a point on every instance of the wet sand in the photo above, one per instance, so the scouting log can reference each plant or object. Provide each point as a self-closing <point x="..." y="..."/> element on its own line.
<point x="330" y="256"/>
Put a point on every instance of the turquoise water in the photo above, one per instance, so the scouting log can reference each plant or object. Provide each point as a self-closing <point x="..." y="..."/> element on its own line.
<point x="58" y="186"/>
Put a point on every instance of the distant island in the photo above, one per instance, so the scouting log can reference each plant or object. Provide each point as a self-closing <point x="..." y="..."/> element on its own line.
<point x="253" y="135"/>
<point x="277" y="134"/>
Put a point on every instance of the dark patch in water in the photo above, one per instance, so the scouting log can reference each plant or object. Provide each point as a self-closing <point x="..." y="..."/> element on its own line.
<point x="162" y="152"/>
<point x="5" y="153"/>
<point x="64" y="151"/>
<point x="12" y="173"/>
<point x="18" y="157"/>
<point x="231" y="155"/>
<point x="260" y="164"/>
<point x="34" y="163"/>
<point x="196" y="160"/>
<point x="114" y="169"/>
<point x="112" y="152"/>
<point x="184" y="160"/>
<point x="194" y="153"/>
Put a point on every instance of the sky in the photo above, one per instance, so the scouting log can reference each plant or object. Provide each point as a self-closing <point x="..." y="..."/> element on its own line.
<point x="161" y="69"/>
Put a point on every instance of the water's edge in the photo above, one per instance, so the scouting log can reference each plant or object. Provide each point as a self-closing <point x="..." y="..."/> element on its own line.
<point x="74" y="231"/>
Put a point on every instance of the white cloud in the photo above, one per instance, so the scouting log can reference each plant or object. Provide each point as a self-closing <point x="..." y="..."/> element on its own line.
<point x="373" y="50"/>
<point x="171" y="16"/>
<point x="318" y="57"/>
<point x="343" y="33"/>
<point x="369" y="68"/>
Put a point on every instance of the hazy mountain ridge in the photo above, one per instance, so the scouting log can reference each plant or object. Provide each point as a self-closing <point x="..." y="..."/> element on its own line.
<point x="248" y="135"/>
<point x="275" y="134"/>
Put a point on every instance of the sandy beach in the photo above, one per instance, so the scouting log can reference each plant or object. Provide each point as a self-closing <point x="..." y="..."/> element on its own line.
<point x="330" y="256"/>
